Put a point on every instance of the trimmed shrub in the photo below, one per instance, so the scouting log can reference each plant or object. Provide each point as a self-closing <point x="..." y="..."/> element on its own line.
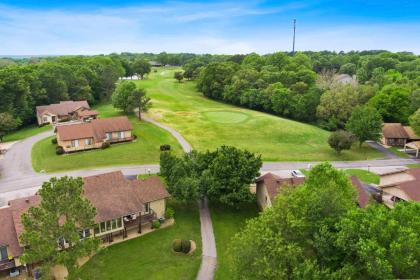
<point x="169" y="214"/>
<point x="156" y="224"/>
<point x="134" y="136"/>
<point x="186" y="246"/>
<point x="54" y="140"/>
<point x="105" y="145"/>
<point x="165" y="147"/>
<point x="176" y="245"/>
<point x="59" y="150"/>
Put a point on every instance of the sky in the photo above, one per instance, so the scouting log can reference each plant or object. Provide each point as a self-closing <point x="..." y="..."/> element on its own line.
<point x="224" y="27"/>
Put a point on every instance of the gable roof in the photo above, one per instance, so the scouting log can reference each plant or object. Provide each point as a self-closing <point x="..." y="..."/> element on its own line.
<point x="8" y="236"/>
<point x="394" y="130"/>
<point x="150" y="189"/>
<point x="112" y="195"/>
<point x="412" y="188"/>
<point x="274" y="183"/>
<point x="63" y="108"/>
<point x="362" y="196"/>
<point x="411" y="134"/>
<point x="96" y="129"/>
<point x="86" y="113"/>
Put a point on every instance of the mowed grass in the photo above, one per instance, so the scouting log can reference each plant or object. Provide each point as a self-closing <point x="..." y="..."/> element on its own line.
<point x="143" y="150"/>
<point x="150" y="256"/>
<point x="26" y="132"/>
<point x="226" y="223"/>
<point x="363" y="175"/>
<point x="208" y="124"/>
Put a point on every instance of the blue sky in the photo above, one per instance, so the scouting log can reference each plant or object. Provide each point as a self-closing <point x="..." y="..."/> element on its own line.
<point x="76" y="27"/>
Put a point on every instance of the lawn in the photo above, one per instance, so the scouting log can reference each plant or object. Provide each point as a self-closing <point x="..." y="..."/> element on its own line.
<point x="363" y="175"/>
<point x="208" y="124"/>
<point x="416" y="165"/>
<point x="26" y="132"/>
<point x="143" y="150"/>
<point x="150" y="256"/>
<point x="226" y="223"/>
<point x="396" y="151"/>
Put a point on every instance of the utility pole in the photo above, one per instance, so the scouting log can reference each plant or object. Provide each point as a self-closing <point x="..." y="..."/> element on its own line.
<point x="294" y="36"/>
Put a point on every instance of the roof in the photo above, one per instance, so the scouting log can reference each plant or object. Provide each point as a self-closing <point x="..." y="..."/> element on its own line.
<point x="394" y="130"/>
<point x="112" y="195"/>
<point x="362" y="196"/>
<point x="63" y="108"/>
<point x="413" y="145"/>
<point x="8" y="234"/>
<point x="274" y="183"/>
<point x="411" y="134"/>
<point x="150" y="189"/>
<point x="412" y="188"/>
<point x="96" y="129"/>
<point x="86" y="113"/>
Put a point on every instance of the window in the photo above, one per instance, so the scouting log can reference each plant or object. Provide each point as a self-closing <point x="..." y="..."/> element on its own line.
<point x="119" y="223"/>
<point x="114" y="224"/>
<point x="97" y="230"/>
<point x="121" y="134"/>
<point x="147" y="207"/>
<point x="44" y="119"/>
<point x="108" y="135"/>
<point x="3" y="253"/>
<point x="75" y="143"/>
<point x="88" y="141"/>
<point x="103" y="228"/>
<point x="84" y="233"/>
<point x="108" y="225"/>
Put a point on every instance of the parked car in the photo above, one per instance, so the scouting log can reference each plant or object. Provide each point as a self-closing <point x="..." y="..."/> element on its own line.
<point x="297" y="174"/>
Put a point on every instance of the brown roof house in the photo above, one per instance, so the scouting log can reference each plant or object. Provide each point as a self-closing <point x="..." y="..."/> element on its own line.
<point x="270" y="185"/>
<point x="402" y="185"/>
<point x="63" y="111"/>
<point x="92" y="135"/>
<point x="395" y="134"/>
<point x="123" y="206"/>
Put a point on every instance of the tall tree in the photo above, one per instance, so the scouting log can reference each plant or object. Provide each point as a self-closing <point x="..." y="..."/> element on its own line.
<point x="7" y="124"/>
<point x="141" y="67"/>
<point x="415" y="121"/>
<point x="128" y="97"/>
<point x="365" y="123"/>
<point x="179" y="76"/>
<point x="60" y="217"/>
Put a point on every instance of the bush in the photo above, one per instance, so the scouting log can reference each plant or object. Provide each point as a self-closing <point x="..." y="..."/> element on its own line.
<point x="156" y="224"/>
<point x="105" y="145"/>
<point x="186" y="246"/>
<point x="177" y="245"/>
<point x="54" y="140"/>
<point x="341" y="140"/>
<point x="134" y="136"/>
<point x="59" y="150"/>
<point x="169" y="214"/>
<point x="165" y="147"/>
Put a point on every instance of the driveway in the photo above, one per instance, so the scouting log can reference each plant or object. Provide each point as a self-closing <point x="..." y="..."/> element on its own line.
<point x="382" y="149"/>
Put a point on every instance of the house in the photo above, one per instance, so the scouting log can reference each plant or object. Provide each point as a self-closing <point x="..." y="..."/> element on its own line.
<point x="155" y="63"/>
<point x="121" y="205"/>
<point x="91" y="135"/>
<point x="402" y="185"/>
<point x="63" y="111"/>
<point x="269" y="186"/>
<point x="395" y="134"/>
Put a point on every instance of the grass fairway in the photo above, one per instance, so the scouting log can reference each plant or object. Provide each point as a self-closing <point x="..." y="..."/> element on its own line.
<point x="143" y="150"/>
<point x="151" y="256"/>
<point x="26" y="132"/>
<point x="226" y="223"/>
<point x="208" y="124"/>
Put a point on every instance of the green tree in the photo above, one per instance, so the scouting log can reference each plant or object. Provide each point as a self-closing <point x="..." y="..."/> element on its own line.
<point x="415" y="121"/>
<point x="348" y="68"/>
<point x="365" y="123"/>
<point x="7" y="124"/>
<point x="141" y="67"/>
<point x="393" y="103"/>
<point x="215" y="77"/>
<point x="62" y="214"/>
<point x="341" y="140"/>
<point x="179" y="76"/>
<point x="293" y="237"/>
<point x="128" y="97"/>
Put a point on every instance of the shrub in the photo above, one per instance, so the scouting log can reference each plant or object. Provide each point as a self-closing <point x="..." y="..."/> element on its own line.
<point x="156" y="224"/>
<point x="165" y="147"/>
<point x="186" y="246"/>
<point x="341" y="140"/>
<point x="105" y="145"/>
<point x="169" y="214"/>
<point x="176" y="245"/>
<point x="59" y="150"/>
<point x="54" y="140"/>
<point x="134" y="136"/>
